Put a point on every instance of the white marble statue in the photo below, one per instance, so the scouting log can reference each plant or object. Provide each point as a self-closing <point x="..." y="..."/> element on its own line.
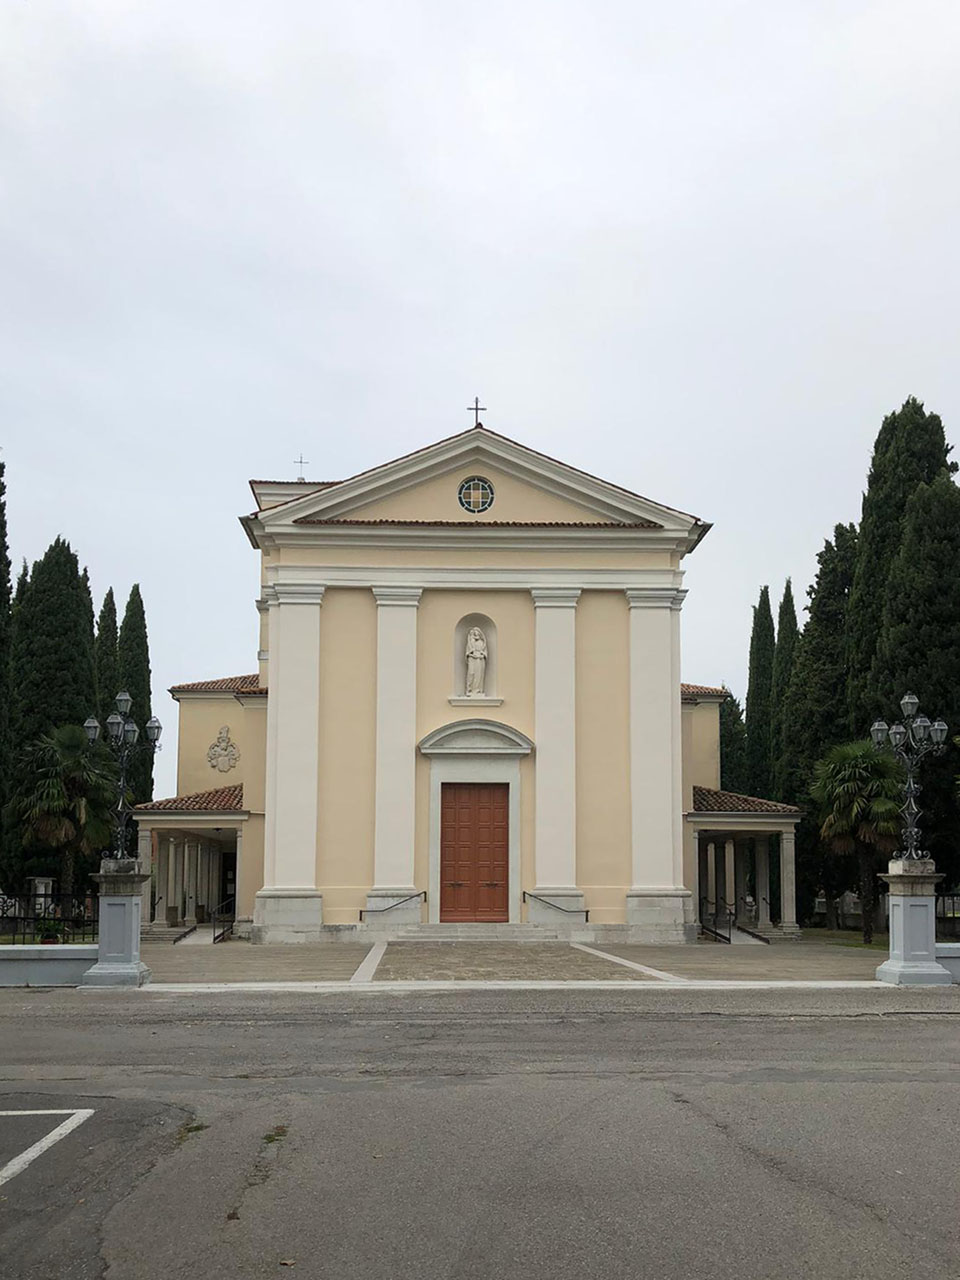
<point x="223" y="754"/>
<point x="476" y="654"/>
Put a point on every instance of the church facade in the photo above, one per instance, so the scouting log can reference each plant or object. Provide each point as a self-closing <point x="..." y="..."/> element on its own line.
<point x="468" y="720"/>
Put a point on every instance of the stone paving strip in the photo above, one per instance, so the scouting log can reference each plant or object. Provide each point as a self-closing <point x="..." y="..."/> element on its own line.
<point x="779" y="962"/>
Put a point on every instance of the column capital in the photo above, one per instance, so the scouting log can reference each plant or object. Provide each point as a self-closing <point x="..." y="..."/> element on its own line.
<point x="555" y="597"/>
<point x="397" y="597"/>
<point x="655" y="597"/>
<point x="297" y="593"/>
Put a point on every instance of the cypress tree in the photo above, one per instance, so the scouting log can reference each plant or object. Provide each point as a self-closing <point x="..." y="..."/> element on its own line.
<point x="105" y="649"/>
<point x="814" y="714"/>
<point x="133" y="653"/>
<point x="784" y="657"/>
<point x="733" y="746"/>
<point x="910" y="449"/>
<point x="5" y="625"/>
<point x="759" y="689"/>
<point x="919" y="647"/>
<point x="51" y="670"/>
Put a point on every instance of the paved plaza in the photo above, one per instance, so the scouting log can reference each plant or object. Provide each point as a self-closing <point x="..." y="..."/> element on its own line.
<point x="241" y="962"/>
<point x="647" y="1130"/>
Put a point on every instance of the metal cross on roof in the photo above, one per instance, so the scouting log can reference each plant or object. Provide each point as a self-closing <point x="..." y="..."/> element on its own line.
<point x="476" y="409"/>
<point x="301" y="463"/>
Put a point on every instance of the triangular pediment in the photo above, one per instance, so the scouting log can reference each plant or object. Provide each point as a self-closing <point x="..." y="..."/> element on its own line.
<point x="528" y="488"/>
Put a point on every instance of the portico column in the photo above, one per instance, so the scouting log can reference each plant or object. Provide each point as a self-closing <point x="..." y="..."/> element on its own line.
<point x="289" y="907"/>
<point x="788" y="882"/>
<point x="740" y="878"/>
<point x="555" y="717"/>
<point x="395" y="804"/>
<point x="659" y="907"/>
<point x="762" y="850"/>
<point x="190" y="881"/>
<point x="170" y="900"/>
<point x="729" y="874"/>
<point x="145" y="860"/>
<point x="711" y="877"/>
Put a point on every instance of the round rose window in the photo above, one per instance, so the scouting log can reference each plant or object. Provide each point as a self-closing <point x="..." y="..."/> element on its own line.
<point x="475" y="494"/>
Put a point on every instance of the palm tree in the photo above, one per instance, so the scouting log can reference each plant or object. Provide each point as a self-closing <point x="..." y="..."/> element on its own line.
<point x="858" y="789"/>
<point x="71" y="796"/>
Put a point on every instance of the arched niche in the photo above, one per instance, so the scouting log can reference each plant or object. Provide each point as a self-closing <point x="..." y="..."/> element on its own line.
<point x="491" y="694"/>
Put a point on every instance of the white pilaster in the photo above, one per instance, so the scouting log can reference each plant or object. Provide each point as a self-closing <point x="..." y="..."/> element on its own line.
<point x="711" y="877"/>
<point x="170" y="894"/>
<point x="190" y="881"/>
<point x="145" y="859"/>
<point x="659" y="907"/>
<point x="289" y="906"/>
<point x="555" y="714"/>
<point x="395" y="805"/>
<point x="729" y="876"/>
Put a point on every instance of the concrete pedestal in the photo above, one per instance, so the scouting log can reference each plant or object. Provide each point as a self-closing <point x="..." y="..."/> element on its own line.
<point x="121" y="897"/>
<point x="658" y="915"/>
<point x="913" y="926"/>
<point x="392" y="906"/>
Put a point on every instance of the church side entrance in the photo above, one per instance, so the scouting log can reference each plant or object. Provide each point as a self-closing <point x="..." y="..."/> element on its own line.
<point x="474" y="829"/>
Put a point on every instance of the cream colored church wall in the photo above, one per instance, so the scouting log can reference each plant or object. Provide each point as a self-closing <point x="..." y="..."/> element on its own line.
<point x="200" y="722"/>
<point x="705" y="746"/>
<point x="603" y="754"/>
<point x="250" y="871"/>
<point x="347" y="761"/>
<point x="436" y="499"/>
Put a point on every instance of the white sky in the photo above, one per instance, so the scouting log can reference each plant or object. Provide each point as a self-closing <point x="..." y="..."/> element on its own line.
<point x="698" y="248"/>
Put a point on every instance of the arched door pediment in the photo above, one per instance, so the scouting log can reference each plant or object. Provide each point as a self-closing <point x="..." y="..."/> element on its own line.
<point x="476" y="737"/>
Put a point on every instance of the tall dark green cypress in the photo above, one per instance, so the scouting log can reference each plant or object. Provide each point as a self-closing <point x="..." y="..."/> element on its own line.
<point x="910" y="449"/>
<point x="815" y="713"/>
<point x="5" y="626"/>
<point x="108" y="663"/>
<point x="759" y="691"/>
<point x="134" y="663"/>
<point x="783" y="660"/>
<point x="51" y="668"/>
<point x="919" y="648"/>
<point x="733" y="746"/>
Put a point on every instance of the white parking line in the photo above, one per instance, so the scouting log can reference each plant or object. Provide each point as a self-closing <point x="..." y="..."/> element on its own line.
<point x="368" y="965"/>
<point x="630" y="964"/>
<point x="508" y="984"/>
<point x="20" y="1162"/>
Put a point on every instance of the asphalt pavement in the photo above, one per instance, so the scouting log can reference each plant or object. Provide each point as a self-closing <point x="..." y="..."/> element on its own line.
<point x="646" y="1133"/>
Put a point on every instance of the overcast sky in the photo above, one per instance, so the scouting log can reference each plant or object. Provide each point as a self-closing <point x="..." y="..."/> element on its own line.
<point x="699" y="248"/>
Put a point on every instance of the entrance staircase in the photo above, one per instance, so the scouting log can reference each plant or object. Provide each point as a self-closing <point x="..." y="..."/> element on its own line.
<point x="165" y="933"/>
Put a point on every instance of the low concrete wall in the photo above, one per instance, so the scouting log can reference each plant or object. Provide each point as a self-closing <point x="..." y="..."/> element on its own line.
<point x="58" y="964"/>
<point x="948" y="954"/>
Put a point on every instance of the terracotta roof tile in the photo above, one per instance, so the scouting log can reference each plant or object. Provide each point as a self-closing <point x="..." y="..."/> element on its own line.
<point x="226" y="684"/>
<point x="691" y="690"/>
<point x="705" y="800"/>
<point x="221" y="800"/>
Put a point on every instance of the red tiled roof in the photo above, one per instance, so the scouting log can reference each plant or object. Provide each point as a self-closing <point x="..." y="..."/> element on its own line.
<point x="692" y="690"/>
<point x="705" y="800"/>
<point x="226" y="684"/>
<point x="222" y="800"/>
<point x="496" y="524"/>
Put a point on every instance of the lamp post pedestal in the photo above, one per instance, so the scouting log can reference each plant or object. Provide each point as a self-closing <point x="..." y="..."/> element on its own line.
<point x="121" y="895"/>
<point x="913" y="925"/>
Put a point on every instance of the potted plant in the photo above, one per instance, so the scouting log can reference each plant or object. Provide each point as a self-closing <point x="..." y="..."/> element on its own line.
<point x="49" y="932"/>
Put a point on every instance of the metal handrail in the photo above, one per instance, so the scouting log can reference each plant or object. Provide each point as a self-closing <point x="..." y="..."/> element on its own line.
<point x="226" y="909"/>
<point x="411" y="897"/>
<point x="570" y="911"/>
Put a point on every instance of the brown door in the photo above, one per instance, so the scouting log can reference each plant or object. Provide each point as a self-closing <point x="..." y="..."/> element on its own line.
<point x="473" y="851"/>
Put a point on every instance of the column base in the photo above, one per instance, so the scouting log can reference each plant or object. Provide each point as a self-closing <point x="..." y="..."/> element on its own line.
<point x="106" y="974"/>
<point x="287" y="915"/>
<point x="387" y="907"/>
<point x="906" y="973"/>
<point x="661" y="915"/>
<point x="559" y="906"/>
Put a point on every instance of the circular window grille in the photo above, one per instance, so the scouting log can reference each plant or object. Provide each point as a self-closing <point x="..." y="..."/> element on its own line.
<point x="475" y="494"/>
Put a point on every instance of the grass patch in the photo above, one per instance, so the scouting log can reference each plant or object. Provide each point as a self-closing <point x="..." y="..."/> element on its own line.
<point x="185" y="1130"/>
<point x="276" y="1133"/>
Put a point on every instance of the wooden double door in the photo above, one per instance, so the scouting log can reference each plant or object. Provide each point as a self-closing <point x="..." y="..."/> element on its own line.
<point x="474" y="851"/>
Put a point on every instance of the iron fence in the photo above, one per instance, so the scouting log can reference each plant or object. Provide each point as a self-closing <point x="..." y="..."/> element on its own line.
<point x="49" y="918"/>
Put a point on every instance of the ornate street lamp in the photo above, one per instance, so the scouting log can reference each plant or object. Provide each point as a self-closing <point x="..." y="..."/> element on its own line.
<point x="122" y="738"/>
<point x="915" y="738"/>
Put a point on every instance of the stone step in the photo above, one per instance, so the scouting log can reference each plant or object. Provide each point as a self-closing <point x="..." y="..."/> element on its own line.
<point x="165" y="933"/>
